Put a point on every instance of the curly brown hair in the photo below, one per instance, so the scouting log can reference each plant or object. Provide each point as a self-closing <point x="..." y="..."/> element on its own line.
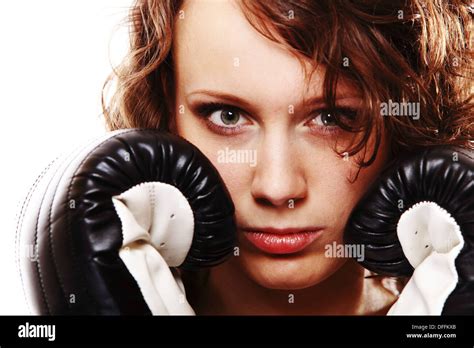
<point x="403" y="50"/>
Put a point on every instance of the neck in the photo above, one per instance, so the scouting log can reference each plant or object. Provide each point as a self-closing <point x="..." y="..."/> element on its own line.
<point x="231" y="292"/>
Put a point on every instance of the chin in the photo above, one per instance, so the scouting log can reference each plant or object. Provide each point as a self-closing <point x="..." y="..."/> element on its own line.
<point x="288" y="272"/>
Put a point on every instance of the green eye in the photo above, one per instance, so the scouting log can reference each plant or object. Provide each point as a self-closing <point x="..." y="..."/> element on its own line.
<point x="229" y="117"/>
<point x="223" y="118"/>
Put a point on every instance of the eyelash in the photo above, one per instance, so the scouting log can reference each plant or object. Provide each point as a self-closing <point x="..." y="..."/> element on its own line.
<point x="205" y="110"/>
<point x="346" y="112"/>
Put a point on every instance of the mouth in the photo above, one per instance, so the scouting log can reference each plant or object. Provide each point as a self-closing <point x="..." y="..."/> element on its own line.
<point x="282" y="241"/>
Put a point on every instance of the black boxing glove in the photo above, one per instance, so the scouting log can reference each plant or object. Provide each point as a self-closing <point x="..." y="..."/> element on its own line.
<point x="103" y="226"/>
<point x="417" y="220"/>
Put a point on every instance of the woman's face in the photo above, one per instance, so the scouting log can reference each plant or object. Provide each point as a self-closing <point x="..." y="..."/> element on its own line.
<point x="239" y="99"/>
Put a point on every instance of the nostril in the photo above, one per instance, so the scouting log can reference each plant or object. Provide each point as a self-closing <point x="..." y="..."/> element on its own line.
<point x="263" y="201"/>
<point x="172" y="216"/>
<point x="162" y="244"/>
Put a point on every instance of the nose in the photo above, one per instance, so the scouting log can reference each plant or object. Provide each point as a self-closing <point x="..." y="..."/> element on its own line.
<point x="278" y="177"/>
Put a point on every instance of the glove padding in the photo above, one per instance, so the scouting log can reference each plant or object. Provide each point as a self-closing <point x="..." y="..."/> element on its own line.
<point x="429" y="196"/>
<point x="70" y="221"/>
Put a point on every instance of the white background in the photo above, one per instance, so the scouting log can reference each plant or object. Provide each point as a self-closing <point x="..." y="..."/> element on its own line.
<point x="54" y="58"/>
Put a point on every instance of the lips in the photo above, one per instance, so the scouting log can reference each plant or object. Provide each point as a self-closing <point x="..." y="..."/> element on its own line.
<point x="282" y="241"/>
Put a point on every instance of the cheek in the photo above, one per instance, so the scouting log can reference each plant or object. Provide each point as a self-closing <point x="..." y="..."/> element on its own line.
<point x="336" y="185"/>
<point x="338" y="180"/>
<point x="331" y="196"/>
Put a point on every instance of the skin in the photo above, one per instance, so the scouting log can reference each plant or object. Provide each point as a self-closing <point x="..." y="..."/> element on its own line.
<point x="217" y="52"/>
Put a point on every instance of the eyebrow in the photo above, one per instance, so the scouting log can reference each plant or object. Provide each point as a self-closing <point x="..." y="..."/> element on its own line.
<point x="246" y="104"/>
<point x="224" y="96"/>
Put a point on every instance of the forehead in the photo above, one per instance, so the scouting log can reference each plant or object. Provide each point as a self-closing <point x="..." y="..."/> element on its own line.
<point x="215" y="47"/>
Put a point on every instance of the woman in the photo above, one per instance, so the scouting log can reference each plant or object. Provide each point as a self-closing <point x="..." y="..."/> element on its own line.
<point x="289" y="101"/>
